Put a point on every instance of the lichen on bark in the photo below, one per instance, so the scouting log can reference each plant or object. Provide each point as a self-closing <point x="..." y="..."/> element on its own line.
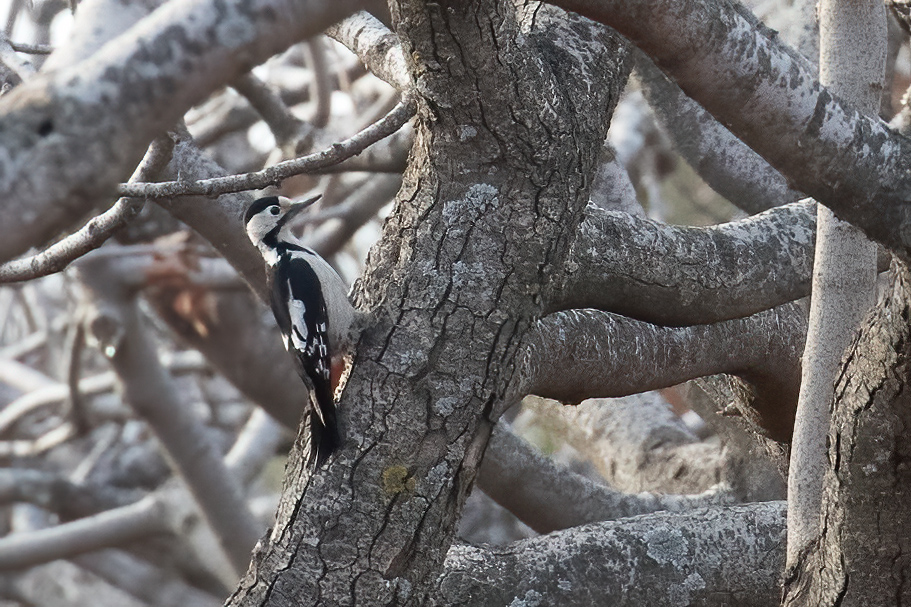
<point x="497" y="183"/>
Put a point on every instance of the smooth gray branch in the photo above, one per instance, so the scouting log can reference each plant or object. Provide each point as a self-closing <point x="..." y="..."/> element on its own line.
<point x="675" y="275"/>
<point x="768" y="96"/>
<point x="548" y="497"/>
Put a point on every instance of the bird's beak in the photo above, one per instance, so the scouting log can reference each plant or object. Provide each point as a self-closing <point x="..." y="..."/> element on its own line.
<point x="295" y="208"/>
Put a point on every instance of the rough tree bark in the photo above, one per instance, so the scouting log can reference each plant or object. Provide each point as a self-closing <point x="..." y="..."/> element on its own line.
<point x="862" y="555"/>
<point x="497" y="184"/>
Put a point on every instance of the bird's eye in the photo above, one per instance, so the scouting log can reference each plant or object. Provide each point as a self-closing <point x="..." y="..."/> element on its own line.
<point x="274" y="210"/>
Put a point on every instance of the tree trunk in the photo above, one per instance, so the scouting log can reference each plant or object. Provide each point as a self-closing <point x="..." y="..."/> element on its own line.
<point x="863" y="556"/>
<point x="852" y="63"/>
<point x="513" y="113"/>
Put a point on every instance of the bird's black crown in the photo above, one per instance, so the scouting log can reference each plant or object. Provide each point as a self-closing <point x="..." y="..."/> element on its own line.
<point x="258" y="205"/>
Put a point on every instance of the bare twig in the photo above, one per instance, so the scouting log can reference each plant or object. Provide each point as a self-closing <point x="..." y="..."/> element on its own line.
<point x="285" y="126"/>
<point x="354" y="212"/>
<point x="274" y="175"/>
<point x="75" y="403"/>
<point x="32" y="49"/>
<point x="97" y="231"/>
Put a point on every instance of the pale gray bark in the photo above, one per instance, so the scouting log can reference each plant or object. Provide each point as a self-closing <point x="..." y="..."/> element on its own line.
<point x="578" y="354"/>
<point x="67" y="145"/>
<point x="861" y="556"/>
<point x="548" y="497"/>
<point x="448" y="288"/>
<point x="852" y="64"/>
<point x="726" y="163"/>
<point x="379" y="48"/>
<point x="675" y="275"/>
<point x="715" y="557"/>
<point x="768" y="96"/>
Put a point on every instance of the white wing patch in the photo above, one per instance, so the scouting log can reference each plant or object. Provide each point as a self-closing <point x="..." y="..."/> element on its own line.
<point x="299" y="333"/>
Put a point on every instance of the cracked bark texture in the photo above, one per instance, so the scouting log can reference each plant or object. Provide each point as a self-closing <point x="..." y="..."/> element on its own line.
<point x="863" y="554"/>
<point x="497" y="183"/>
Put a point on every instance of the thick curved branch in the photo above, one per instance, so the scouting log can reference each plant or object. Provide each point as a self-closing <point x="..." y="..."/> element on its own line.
<point x="578" y="354"/>
<point x="70" y="136"/>
<point x="673" y="275"/>
<point x="109" y="528"/>
<point x="713" y="556"/>
<point x="723" y="161"/>
<point x="376" y="46"/>
<point x="768" y="95"/>
<point x="547" y="497"/>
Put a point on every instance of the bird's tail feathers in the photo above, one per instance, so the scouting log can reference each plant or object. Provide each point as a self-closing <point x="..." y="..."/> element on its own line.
<point x="324" y="436"/>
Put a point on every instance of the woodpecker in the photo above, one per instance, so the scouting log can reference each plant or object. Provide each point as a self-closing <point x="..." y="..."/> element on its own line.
<point x="310" y="304"/>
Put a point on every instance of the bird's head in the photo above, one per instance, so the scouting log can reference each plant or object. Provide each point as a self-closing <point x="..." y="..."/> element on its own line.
<point x="270" y="214"/>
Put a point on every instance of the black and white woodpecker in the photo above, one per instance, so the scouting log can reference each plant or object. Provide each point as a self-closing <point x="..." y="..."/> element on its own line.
<point x="310" y="304"/>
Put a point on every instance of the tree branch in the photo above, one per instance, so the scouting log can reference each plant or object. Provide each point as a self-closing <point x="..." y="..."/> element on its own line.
<point x="768" y="95"/>
<point x="376" y="46"/>
<point x="97" y="231"/>
<point x="548" y="497"/>
<point x="675" y="275"/>
<point x="275" y="174"/>
<point x="713" y="557"/>
<point x="109" y="528"/>
<point x="723" y="161"/>
<point x="150" y="391"/>
<point x="578" y="354"/>
<point x="156" y="71"/>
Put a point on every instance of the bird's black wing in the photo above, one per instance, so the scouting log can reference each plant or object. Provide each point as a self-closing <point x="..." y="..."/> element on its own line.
<point x="300" y="311"/>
